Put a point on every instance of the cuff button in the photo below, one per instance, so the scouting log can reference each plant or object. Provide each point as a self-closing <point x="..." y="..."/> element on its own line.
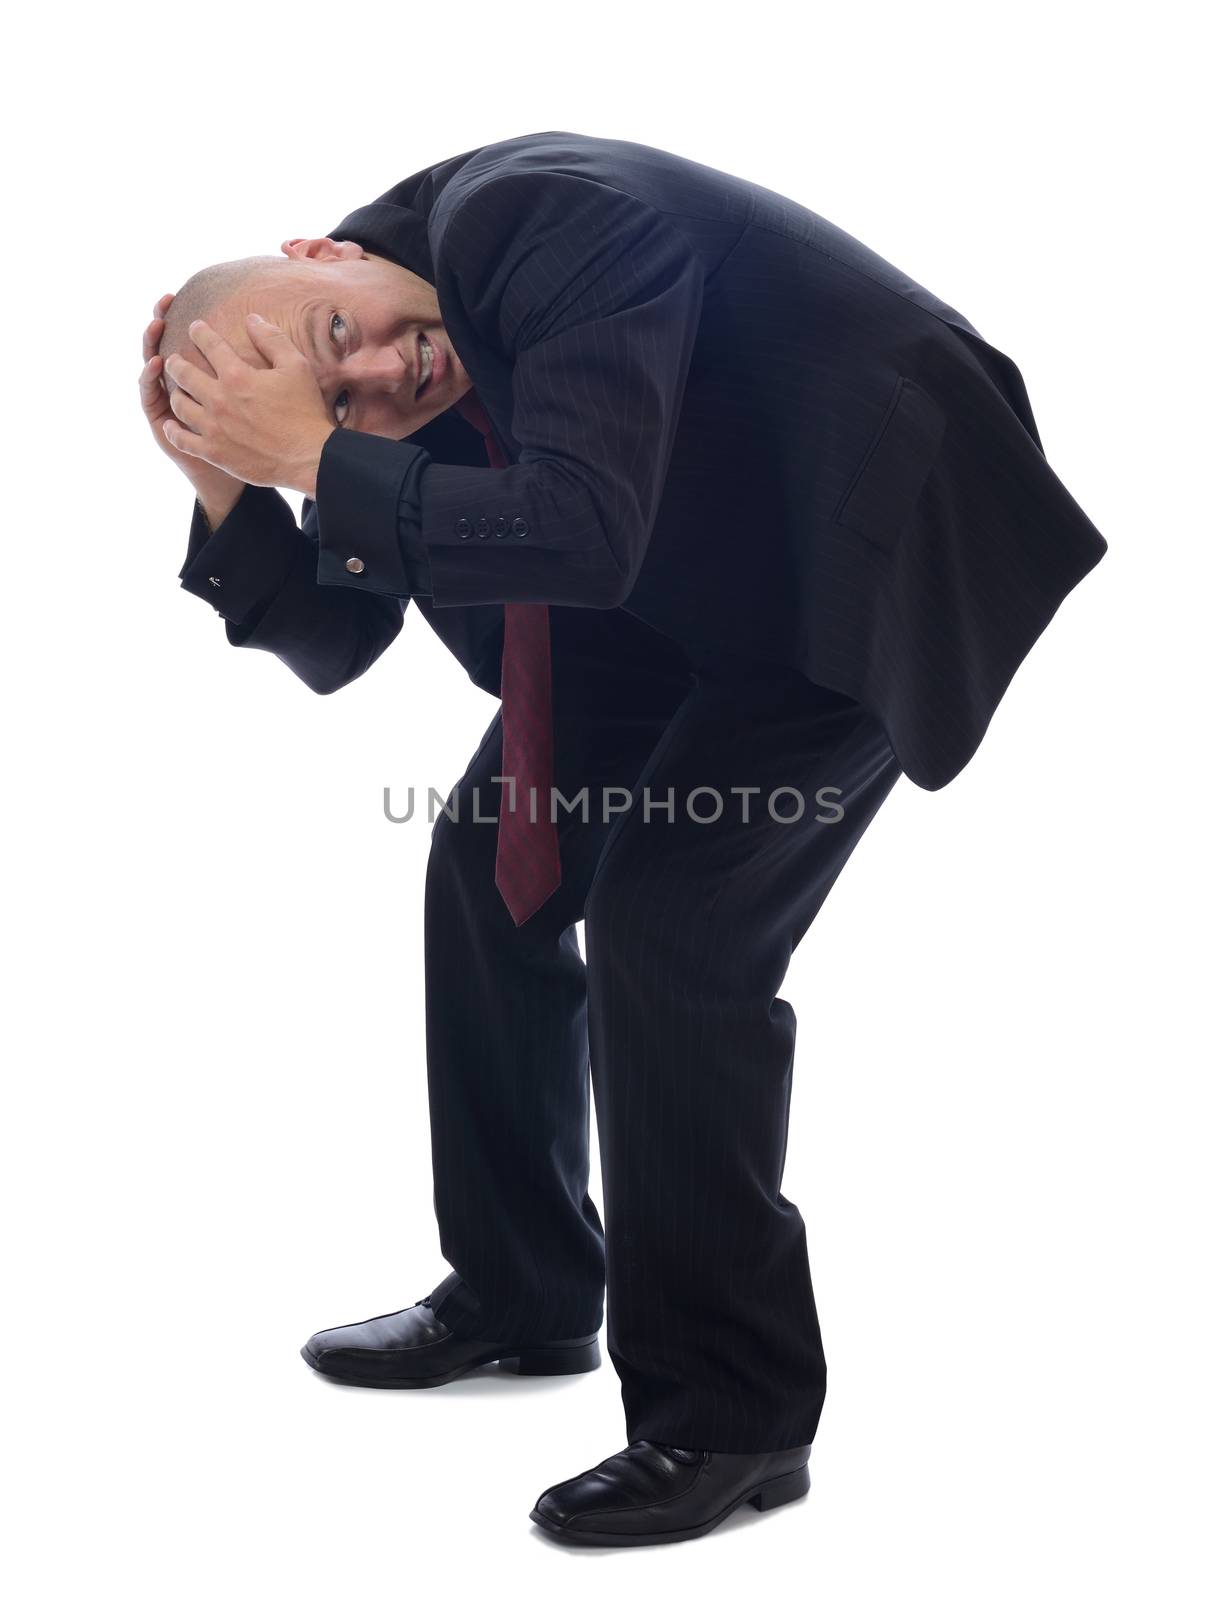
<point x="354" y="564"/>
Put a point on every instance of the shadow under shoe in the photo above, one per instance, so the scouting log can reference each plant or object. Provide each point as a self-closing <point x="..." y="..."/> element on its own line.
<point x="657" y="1493"/>
<point x="412" y="1349"/>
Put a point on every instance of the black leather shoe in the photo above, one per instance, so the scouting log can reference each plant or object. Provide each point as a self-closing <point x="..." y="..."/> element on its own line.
<point x="413" y="1349"/>
<point x="659" y="1493"/>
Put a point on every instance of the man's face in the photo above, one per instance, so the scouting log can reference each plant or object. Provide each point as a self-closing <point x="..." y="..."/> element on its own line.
<point x="360" y="321"/>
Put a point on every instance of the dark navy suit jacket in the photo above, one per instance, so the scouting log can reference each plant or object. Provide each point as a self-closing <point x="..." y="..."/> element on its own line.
<point x="722" y="413"/>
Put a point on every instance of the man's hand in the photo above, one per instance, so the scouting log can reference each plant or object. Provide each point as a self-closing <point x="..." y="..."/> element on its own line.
<point x="214" y="488"/>
<point x="264" y="425"/>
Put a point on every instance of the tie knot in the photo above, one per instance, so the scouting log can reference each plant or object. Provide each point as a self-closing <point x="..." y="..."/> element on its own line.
<point x="471" y="408"/>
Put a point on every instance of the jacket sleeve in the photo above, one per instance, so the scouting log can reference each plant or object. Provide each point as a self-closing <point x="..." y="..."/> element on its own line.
<point x="594" y="298"/>
<point x="260" y="572"/>
<point x="368" y="510"/>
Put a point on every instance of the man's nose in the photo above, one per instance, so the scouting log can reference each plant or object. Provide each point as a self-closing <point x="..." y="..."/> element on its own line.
<point x="383" y="369"/>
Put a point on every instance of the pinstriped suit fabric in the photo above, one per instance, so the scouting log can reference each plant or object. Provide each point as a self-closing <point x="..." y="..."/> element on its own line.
<point x="712" y="1325"/>
<point x="722" y="413"/>
<point x="738" y="422"/>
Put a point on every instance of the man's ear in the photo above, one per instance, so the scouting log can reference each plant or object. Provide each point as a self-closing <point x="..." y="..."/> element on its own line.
<point x="322" y="249"/>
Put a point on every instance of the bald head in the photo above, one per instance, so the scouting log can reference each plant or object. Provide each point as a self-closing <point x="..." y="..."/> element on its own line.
<point x="369" y="329"/>
<point x="206" y="295"/>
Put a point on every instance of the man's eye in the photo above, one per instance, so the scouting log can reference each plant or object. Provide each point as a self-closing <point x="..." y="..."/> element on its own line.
<point x="342" y="399"/>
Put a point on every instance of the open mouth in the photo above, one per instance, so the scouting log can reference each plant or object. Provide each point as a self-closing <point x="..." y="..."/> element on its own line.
<point x="427" y="358"/>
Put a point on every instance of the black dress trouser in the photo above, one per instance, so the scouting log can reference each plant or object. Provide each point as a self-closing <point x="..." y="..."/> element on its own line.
<point x="689" y="926"/>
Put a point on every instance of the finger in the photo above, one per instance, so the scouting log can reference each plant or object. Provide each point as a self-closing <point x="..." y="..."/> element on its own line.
<point x="187" y="410"/>
<point x="271" y="341"/>
<point x="156" y="327"/>
<point x="150" y="380"/>
<point x="215" y="347"/>
<point x="188" y="376"/>
<point x="182" y="438"/>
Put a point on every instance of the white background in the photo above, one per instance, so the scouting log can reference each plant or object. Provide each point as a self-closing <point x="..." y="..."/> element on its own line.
<point x="215" y="1129"/>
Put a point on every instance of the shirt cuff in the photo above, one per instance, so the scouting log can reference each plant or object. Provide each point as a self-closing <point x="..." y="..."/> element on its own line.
<point x="361" y="479"/>
<point x="243" y="565"/>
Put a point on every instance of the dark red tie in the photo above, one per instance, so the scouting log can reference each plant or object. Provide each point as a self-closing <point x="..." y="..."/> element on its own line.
<point x="527" y="868"/>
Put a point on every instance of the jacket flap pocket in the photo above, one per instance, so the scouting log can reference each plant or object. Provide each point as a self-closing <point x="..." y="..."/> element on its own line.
<point x="881" y="496"/>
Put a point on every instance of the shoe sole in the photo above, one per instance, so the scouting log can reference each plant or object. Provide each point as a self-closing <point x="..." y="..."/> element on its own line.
<point x="558" y="1360"/>
<point x="764" y="1496"/>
